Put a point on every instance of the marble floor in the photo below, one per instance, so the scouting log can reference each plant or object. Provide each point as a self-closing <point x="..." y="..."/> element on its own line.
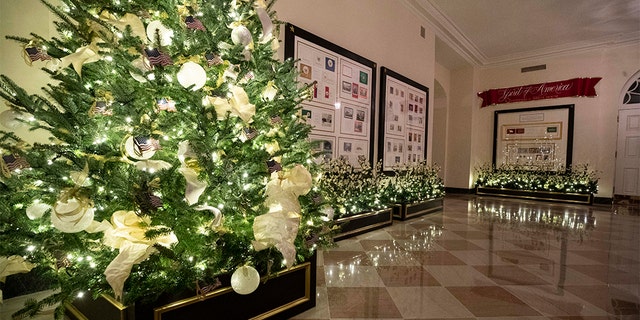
<point x="488" y="258"/>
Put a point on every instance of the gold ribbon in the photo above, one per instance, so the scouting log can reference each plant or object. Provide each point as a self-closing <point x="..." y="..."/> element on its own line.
<point x="83" y="55"/>
<point x="137" y="27"/>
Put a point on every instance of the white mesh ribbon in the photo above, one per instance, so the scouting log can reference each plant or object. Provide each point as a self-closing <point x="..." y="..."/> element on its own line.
<point x="127" y="233"/>
<point x="279" y="227"/>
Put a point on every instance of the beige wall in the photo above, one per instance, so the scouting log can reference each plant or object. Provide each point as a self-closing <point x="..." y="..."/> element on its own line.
<point x="595" y="124"/>
<point x="20" y="18"/>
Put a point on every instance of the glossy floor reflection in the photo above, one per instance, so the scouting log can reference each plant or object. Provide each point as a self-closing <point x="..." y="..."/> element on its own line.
<point x="488" y="258"/>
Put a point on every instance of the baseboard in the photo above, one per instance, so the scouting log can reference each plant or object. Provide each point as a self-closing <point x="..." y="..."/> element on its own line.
<point x="459" y="190"/>
<point x="602" y="200"/>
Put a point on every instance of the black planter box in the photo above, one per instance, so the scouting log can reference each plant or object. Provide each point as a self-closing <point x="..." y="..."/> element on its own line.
<point x="582" y="198"/>
<point x="282" y="296"/>
<point x="354" y="225"/>
<point x="406" y="211"/>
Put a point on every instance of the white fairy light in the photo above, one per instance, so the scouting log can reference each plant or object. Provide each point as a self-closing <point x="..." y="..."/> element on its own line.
<point x="31" y="248"/>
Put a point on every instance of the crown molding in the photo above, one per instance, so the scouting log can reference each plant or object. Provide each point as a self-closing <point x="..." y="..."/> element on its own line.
<point x="450" y="34"/>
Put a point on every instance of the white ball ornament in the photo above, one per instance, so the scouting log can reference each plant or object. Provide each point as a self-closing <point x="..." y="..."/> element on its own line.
<point x="10" y="119"/>
<point x="241" y="35"/>
<point x="190" y="74"/>
<point x="245" y="280"/>
<point x="166" y="34"/>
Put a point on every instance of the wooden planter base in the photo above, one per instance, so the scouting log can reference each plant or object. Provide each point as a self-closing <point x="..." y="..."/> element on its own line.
<point x="363" y="222"/>
<point x="582" y="198"/>
<point x="412" y="210"/>
<point x="279" y="297"/>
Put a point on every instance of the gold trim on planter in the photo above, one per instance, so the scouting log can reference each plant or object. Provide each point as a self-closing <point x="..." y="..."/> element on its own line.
<point x="157" y="312"/>
<point x="404" y="209"/>
<point x="363" y="216"/>
<point x="522" y="194"/>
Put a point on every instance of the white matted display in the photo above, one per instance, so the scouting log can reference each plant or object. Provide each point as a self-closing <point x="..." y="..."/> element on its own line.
<point x="538" y="139"/>
<point x="404" y="109"/>
<point x="343" y="85"/>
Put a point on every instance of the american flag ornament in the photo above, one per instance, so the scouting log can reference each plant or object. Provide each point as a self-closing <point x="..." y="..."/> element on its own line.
<point x="213" y="59"/>
<point x="35" y="54"/>
<point x="145" y="144"/>
<point x="157" y="57"/>
<point x="100" y="107"/>
<point x="194" y="23"/>
<point x="166" y="104"/>
<point x="201" y="291"/>
<point x="276" y="119"/>
<point x="250" y="133"/>
<point x="15" y="162"/>
<point x="274" y="166"/>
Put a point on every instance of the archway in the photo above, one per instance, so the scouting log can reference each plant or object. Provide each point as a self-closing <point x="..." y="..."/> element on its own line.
<point x="439" y="140"/>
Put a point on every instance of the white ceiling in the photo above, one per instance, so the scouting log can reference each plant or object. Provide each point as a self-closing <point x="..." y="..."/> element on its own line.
<point x="499" y="32"/>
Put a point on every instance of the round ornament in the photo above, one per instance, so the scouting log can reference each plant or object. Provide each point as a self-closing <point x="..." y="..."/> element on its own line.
<point x="140" y="148"/>
<point x="245" y="280"/>
<point x="192" y="74"/>
<point x="166" y="34"/>
<point x="241" y="35"/>
<point x="9" y="119"/>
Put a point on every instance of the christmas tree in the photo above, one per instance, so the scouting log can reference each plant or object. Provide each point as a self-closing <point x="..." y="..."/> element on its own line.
<point x="177" y="152"/>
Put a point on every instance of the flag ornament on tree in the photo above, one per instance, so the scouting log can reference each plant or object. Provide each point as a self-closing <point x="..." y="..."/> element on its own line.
<point x="176" y="151"/>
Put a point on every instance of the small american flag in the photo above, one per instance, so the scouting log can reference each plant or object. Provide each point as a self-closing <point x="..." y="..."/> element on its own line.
<point x="194" y="23"/>
<point x="276" y="119"/>
<point x="250" y="133"/>
<point x="168" y="105"/>
<point x="274" y="166"/>
<point x="15" y="163"/>
<point x="201" y="291"/>
<point x="213" y="59"/>
<point x="143" y="144"/>
<point x="101" y="107"/>
<point x="36" y="54"/>
<point x="156" y="57"/>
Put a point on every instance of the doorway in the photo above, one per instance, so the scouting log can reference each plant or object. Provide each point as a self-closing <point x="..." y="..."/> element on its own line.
<point x="627" y="178"/>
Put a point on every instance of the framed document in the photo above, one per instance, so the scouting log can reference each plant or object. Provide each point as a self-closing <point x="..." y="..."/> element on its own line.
<point x="342" y="104"/>
<point x="404" y="110"/>
<point x="539" y="139"/>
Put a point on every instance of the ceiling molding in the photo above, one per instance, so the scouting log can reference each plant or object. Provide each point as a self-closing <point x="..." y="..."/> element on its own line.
<point x="447" y="31"/>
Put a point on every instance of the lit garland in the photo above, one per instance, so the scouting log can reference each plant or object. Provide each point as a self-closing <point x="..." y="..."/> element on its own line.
<point x="576" y="179"/>
<point x="351" y="190"/>
<point x="416" y="182"/>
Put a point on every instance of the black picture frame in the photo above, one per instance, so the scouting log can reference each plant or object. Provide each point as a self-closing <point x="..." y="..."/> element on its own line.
<point x="403" y="122"/>
<point x="342" y="113"/>
<point x="536" y="139"/>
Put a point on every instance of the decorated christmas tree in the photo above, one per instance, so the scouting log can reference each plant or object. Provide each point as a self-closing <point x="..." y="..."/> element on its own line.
<point x="177" y="152"/>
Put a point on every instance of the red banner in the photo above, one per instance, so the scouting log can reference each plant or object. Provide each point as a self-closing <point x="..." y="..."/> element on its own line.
<point x="578" y="87"/>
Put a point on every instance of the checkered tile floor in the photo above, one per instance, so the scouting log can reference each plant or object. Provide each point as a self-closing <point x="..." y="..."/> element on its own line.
<point x="488" y="258"/>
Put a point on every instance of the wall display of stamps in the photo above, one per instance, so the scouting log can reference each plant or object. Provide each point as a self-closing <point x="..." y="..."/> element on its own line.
<point x="539" y="138"/>
<point x="343" y="92"/>
<point x="324" y="147"/>
<point x="404" y="110"/>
